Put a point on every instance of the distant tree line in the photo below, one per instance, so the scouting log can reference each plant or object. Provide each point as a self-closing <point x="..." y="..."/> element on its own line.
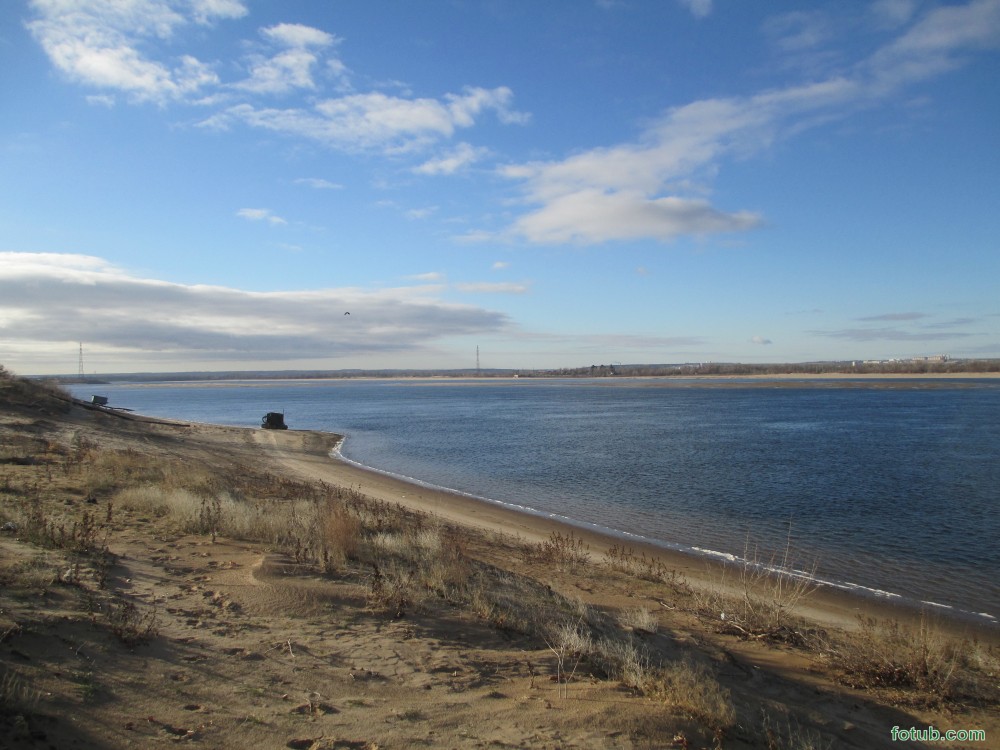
<point x="849" y="367"/>
<point x="701" y="369"/>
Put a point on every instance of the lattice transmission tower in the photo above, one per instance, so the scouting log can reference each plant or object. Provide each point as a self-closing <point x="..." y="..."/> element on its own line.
<point x="81" y="374"/>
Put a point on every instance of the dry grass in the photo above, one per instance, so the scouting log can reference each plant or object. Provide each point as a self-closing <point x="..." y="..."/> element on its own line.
<point x="787" y="734"/>
<point x="920" y="660"/>
<point x="688" y="687"/>
<point x="30" y="577"/>
<point x="624" y="560"/>
<point x="624" y="659"/>
<point x="565" y="552"/>
<point x="640" y="619"/>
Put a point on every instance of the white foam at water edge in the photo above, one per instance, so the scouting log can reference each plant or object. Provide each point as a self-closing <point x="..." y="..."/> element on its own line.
<point x="858" y="588"/>
<point x="935" y="604"/>
<point x="713" y="553"/>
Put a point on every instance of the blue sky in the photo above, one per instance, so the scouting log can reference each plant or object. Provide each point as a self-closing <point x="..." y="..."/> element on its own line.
<point x="212" y="184"/>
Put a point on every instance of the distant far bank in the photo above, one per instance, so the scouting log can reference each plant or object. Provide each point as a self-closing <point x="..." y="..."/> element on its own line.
<point x="852" y="369"/>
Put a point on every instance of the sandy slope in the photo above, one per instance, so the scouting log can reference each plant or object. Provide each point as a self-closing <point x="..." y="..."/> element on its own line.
<point x="254" y="650"/>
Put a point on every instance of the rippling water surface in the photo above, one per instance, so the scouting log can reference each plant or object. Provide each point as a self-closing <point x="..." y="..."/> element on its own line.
<point x="889" y="486"/>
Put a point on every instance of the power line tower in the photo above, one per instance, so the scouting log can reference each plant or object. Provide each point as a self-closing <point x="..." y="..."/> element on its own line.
<point x="478" y="373"/>
<point x="81" y="374"/>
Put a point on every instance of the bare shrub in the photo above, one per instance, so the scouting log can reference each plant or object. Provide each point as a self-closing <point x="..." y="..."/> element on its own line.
<point x="570" y="645"/>
<point x="760" y="603"/>
<point x="128" y="623"/>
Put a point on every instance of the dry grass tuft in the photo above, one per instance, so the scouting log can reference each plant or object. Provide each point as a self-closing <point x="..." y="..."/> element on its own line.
<point x="341" y="531"/>
<point x="687" y="686"/>
<point x="565" y="552"/>
<point x="640" y="620"/>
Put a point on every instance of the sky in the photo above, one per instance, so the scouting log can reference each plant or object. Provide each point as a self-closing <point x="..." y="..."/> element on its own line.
<point x="253" y="184"/>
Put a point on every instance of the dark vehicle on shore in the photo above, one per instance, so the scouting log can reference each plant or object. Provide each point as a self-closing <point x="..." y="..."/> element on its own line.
<point x="274" y="420"/>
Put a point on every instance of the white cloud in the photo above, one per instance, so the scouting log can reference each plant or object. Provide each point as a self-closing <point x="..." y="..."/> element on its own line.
<point x="100" y="43"/>
<point x="101" y="100"/>
<point x="375" y="120"/>
<point x="298" y="35"/>
<point x="893" y="13"/>
<point x="798" y="30"/>
<point x="54" y="299"/>
<point x="455" y="160"/>
<point x="429" y="276"/>
<point x="487" y="287"/>
<point x="590" y="216"/>
<point x="260" y="214"/>
<point x="319" y="183"/>
<point x="632" y="190"/>
<point x="420" y="213"/>
<point x="761" y="341"/>
<point x="500" y="265"/>
<point x="698" y="8"/>
<point x="287" y="70"/>
<point x="894" y="316"/>
<point x="205" y="11"/>
<point x="935" y="44"/>
<point x="290" y="68"/>
<point x="132" y="46"/>
<point x="889" y="334"/>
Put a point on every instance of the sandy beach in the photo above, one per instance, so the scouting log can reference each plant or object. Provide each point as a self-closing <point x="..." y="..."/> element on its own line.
<point x="313" y="455"/>
<point x="438" y="621"/>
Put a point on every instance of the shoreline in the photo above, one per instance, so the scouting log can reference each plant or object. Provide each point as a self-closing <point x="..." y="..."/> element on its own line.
<point x="750" y="380"/>
<point x="315" y="454"/>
